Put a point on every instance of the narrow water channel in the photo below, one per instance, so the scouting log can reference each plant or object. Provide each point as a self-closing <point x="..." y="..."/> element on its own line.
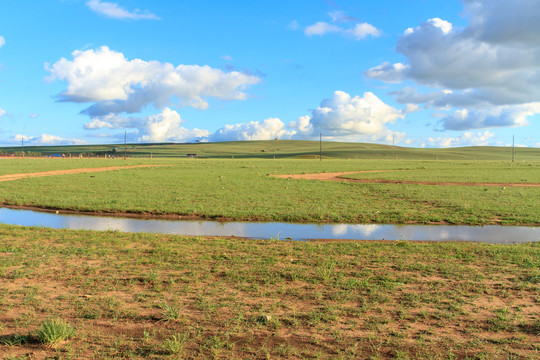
<point x="285" y="231"/>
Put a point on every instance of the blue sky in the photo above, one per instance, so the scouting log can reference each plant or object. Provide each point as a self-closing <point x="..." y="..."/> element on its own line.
<point x="421" y="73"/>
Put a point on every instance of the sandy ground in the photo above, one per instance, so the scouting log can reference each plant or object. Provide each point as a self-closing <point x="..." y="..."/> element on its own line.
<point x="11" y="177"/>
<point x="337" y="177"/>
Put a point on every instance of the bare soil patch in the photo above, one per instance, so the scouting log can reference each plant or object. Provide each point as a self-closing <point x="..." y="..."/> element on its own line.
<point x="11" y="177"/>
<point x="338" y="177"/>
<point x="142" y="296"/>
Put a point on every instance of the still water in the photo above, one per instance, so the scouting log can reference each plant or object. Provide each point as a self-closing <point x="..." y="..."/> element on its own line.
<point x="285" y="231"/>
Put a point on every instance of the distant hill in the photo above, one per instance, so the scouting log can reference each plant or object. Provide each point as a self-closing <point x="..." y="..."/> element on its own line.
<point x="285" y="149"/>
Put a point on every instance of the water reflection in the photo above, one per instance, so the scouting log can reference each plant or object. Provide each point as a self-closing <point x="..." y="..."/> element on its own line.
<point x="489" y="234"/>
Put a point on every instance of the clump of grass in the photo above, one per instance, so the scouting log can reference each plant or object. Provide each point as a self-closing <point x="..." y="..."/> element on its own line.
<point x="171" y="312"/>
<point x="175" y="344"/>
<point x="54" y="331"/>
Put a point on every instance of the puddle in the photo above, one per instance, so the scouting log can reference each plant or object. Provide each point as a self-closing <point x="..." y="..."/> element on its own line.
<point x="285" y="231"/>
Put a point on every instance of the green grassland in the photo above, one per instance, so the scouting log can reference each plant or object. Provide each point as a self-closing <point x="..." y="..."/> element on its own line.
<point x="104" y="295"/>
<point x="110" y="295"/>
<point x="288" y="149"/>
<point x="243" y="189"/>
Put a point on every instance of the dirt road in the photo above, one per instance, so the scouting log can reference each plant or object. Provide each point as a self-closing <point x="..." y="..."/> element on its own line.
<point x="11" y="177"/>
<point x="337" y="177"/>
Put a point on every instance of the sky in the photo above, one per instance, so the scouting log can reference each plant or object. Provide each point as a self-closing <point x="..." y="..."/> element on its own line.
<point x="416" y="73"/>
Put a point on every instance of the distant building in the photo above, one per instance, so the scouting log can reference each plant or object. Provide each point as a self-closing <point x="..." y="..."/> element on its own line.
<point x="191" y="155"/>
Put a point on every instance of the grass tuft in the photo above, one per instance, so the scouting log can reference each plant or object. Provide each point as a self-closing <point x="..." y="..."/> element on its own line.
<point x="54" y="331"/>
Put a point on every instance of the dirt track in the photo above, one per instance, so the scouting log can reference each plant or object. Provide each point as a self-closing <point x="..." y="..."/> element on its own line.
<point x="337" y="177"/>
<point x="11" y="177"/>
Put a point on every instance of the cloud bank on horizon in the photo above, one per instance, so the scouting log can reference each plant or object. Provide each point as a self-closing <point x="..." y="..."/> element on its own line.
<point x="471" y="79"/>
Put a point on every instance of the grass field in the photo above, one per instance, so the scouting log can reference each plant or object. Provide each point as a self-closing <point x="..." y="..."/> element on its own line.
<point x="108" y="295"/>
<point x="242" y="189"/>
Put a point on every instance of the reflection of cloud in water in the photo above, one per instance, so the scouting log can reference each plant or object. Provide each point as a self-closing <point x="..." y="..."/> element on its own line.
<point x="489" y="234"/>
<point x="444" y="235"/>
<point x="345" y="229"/>
<point x="195" y="228"/>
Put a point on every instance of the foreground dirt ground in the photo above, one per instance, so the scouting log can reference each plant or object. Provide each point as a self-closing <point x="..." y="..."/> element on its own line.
<point x="141" y="296"/>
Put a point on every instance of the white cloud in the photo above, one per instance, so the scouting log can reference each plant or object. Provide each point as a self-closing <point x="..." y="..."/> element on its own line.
<point x="33" y="115"/>
<point x="166" y="127"/>
<point x="349" y="118"/>
<point x="161" y="127"/>
<point x="358" y="32"/>
<point x="392" y="73"/>
<point x="496" y="116"/>
<point x="466" y="139"/>
<point x="321" y="28"/>
<point x="109" y="121"/>
<point x="341" y="117"/>
<point x="227" y="58"/>
<point x="19" y="138"/>
<point x="494" y="61"/>
<point x="363" y="30"/>
<point x="47" y="139"/>
<point x="2" y="112"/>
<point x="114" y="11"/>
<point x="2" y="41"/>
<point x="410" y="108"/>
<point x="266" y="130"/>
<point x="118" y="85"/>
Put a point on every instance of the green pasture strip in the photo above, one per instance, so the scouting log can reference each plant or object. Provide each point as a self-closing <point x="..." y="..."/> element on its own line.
<point x="269" y="149"/>
<point x="244" y="190"/>
<point x="135" y="296"/>
<point x="459" y="171"/>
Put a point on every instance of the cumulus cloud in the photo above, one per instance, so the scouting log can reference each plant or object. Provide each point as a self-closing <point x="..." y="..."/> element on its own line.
<point x="466" y="139"/>
<point x="47" y="139"/>
<point x="363" y="30"/>
<point x="494" y="61"/>
<point x="341" y="117"/>
<point x="496" y="116"/>
<point x="166" y="127"/>
<point x="2" y="112"/>
<point x="114" y="11"/>
<point x="2" y="41"/>
<point x="350" y="118"/>
<point x="358" y="32"/>
<point x="117" y="85"/>
<point x="162" y="127"/>
<point x="321" y="28"/>
<point x="254" y="130"/>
